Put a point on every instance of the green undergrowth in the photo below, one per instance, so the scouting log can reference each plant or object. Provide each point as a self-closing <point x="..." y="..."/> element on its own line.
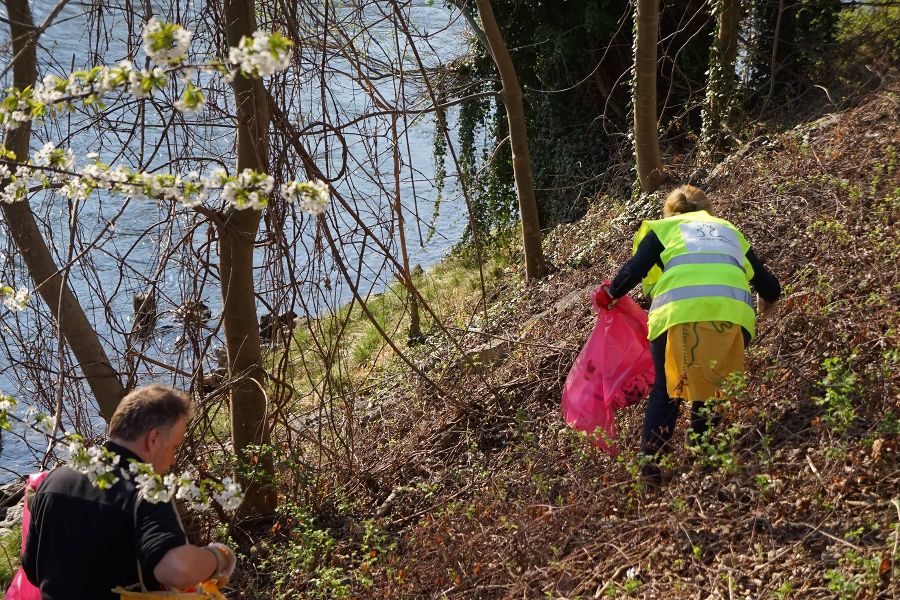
<point x="480" y="490"/>
<point x="10" y="547"/>
<point x="348" y="349"/>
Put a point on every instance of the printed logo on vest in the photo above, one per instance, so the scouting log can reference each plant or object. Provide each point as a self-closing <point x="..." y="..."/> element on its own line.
<point x="711" y="237"/>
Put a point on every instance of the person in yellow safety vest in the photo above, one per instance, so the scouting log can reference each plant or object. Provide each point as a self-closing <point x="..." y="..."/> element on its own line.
<point x="697" y="269"/>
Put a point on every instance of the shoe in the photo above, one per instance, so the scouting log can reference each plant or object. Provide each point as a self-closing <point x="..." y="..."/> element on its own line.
<point x="651" y="476"/>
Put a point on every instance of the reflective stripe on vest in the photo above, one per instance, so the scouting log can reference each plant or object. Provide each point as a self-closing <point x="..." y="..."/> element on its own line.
<point x="706" y="258"/>
<point x="702" y="291"/>
<point x="704" y="275"/>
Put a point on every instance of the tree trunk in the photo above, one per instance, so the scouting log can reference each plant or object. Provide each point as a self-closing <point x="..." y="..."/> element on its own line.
<point x="511" y="94"/>
<point x="784" y="57"/>
<point x="727" y="38"/>
<point x="237" y="234"/>
<point x="415" y="330"/>
<point x="646" y="140"/>
<point x="720" y="85"/>
<point x="101" y="377"/>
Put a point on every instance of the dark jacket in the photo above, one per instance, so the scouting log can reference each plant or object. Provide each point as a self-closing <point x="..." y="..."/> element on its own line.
<point x="84" y="541"/>
<point x="649" y="253"/>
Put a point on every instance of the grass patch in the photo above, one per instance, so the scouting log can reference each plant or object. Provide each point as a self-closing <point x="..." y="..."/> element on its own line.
<point x="346" y="348"/>
<point x="10" y="546"/>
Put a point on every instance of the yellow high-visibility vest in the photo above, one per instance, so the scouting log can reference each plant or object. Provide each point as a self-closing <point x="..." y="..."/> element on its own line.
<point x="705" y="273"/>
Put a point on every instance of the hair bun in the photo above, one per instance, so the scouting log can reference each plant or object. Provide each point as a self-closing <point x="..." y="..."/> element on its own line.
<point x="683" y="199"/>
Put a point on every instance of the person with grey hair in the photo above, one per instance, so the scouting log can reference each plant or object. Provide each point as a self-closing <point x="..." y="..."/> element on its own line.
<point x="84" y="541"/>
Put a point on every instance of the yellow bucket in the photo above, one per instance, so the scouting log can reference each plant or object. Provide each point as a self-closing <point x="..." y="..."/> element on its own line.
<point x="210" y="592"/>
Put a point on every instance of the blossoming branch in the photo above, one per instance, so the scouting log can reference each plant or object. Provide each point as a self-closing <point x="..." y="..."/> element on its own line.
<point x="104" y="467"/>
<point x="261" y="55"/>
<point x="247" y="189"/>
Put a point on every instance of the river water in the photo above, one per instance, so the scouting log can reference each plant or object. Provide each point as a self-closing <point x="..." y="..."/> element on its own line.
<point x="121" y="248"/>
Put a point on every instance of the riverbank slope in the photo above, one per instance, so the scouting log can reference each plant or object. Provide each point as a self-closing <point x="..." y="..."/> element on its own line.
<point x="469" y="484"/>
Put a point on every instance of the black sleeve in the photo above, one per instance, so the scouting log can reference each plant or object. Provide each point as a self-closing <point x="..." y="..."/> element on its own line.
<point x="648" y="254"/>
<point x="29" y="559"/>
<point x="764" y="282"/>
<point x="157" y="530"/>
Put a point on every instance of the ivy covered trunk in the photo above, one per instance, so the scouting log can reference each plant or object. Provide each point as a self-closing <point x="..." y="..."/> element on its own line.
<point x="720" y="85"/>
<point x="511" y="94"/>
<point x="646" y="140"/>
<point x="49" y="282"/>
<point x="237" y="233"/>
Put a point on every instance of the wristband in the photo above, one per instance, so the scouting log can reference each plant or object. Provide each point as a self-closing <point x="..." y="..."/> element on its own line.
<point x="218" y="558"/>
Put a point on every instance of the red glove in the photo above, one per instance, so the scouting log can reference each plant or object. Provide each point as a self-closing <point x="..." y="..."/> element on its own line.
<point x="602" y="297"/>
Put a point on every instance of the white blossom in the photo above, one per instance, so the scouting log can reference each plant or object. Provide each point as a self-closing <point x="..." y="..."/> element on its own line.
<point x="97" y="463"/>
<point x="45" y="424"/>
<point x="42" y="156"/>
<point x="73" y="447"/>
<point x="188" y="491"/>
<point x="166" y="43"/>
<point x="150" y="486"/>
<point x="7" y="403"/>
<point x="155" y="488"/>
<point x="15" y="109"/>
<point x="14" y="300"/>
<point x="51" y="90"/>
<point x="192" y="100"/>
<point x="117" y="180"/>
<point x="55" y="158"/>
<point x="77" y="188"/>
<point x="116" y="76"/>
<point x="230" y="496"/>
<point x="17" y="186"/>
<point x="261" y="55"/>
<point x="314" y="196"/>
<point x="182" y="106"/>
<point x="142" y="83"/>
<point x="56" y="92"/>
<point x="99" y="175"/>
<point x="78" y="86"/>
<point x="248" y="190"/>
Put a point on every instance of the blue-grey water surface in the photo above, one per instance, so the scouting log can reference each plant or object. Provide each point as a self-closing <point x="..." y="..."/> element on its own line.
<point x="148" y="235"/>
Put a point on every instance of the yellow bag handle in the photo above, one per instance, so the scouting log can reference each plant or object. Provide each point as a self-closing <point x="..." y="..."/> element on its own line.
<point x="210" y="592"/>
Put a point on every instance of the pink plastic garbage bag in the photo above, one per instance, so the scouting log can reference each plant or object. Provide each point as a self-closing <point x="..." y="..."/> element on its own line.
<point x="20" y="588"/>
<point x="613" y="370"/>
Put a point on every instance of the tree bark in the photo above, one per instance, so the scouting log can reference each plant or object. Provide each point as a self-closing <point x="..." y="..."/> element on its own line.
<point x="511" y="94"/>
<point x="99" y="373"/>
<point x="415" y="329"/>
<point x="720" y="86"/>
<point x="727" y="38"/>
<point x="646" y="138"/>
<point x="237" y="234"/>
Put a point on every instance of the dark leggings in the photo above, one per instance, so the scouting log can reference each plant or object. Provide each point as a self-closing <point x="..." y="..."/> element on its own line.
<point x="662" y="411"/>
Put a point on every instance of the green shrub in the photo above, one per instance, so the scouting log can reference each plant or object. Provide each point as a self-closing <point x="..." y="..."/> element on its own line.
<point x="10" y="545"/>
<point x="855" y="574"/>
<point x="873" y="32"/>
<point x="715" y="447"/>
<point x="839" y="385"/>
